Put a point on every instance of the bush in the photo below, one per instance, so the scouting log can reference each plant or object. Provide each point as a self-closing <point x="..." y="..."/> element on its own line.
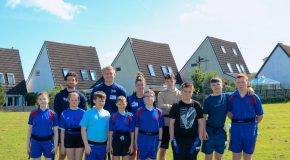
<point x="53" y="92"/>
<point x="30" y="98"/>
<point x="2" y="96"/>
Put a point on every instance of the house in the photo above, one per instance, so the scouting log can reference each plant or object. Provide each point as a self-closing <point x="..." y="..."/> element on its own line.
<point x="55" y="60"/>
<point x="276" y="64"/>
<point x="223" y="57"/>
<point x="153" y="59"/>
<point x="12" y="77"/>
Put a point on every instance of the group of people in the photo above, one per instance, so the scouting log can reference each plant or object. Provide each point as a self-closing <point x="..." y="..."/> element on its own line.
<point x="137" y="126"/>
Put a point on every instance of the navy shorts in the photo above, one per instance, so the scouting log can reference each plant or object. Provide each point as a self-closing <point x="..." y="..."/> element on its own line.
<point x="217" y="141"/>
<point x="39" y="148"/>
<point x="98" y="152"/>
<point x="147" y="146"/>
<point x="243" y="137"/>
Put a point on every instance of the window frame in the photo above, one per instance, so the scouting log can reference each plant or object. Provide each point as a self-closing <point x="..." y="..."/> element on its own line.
<point x="82" y="74"/>
<point x="151" y="70"/>
<point x="2" y="75"/>
<point x="11" y="74"/>
<point x="63" y="71"/>
<point x="223" y="49"/>
<point x="230" y="67"/>
<point x="94" y="73"/>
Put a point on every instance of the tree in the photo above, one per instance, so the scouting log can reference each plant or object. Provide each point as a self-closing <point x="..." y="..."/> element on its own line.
<point x="2" y="96"/>
<point x="53" y="92"/>
<point x="31" y="98"/>
<point x="198" y="78"/>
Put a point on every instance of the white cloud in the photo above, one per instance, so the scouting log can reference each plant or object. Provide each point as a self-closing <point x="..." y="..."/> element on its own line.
<point x="63" y="10"/>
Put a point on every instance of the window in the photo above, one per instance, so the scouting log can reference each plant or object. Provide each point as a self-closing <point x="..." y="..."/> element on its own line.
<point x="85" y="75"/>
<point x="11" y="80"/>
<point x="164" y="70"/>
<point x="235" y="52"/>
<point x="151" y="70"/>
<point x="93" y="75"/>
<point x="239" y="69"/>
<point x="170" y="70"/>
<point x="2" y="79"/>
<point x="243" y="69"/>
<point x="37" y="72"/>
<point x="230" y="67"/>
<point x="223" y="49"/>
<point x="65" y="71"/>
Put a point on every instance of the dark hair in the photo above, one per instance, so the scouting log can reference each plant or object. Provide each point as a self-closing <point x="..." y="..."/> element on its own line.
<point x="169" y="77"/>
<point x="215" y="80"/>
<point x="187" y="85"/>
<point x="73" y="93"/>
<point x="150" y="91"/>
<point x="140" y="77"/>
<point x="72" y="74"/>
<point x="99" y="94"/>
<point x="121" y="98"/>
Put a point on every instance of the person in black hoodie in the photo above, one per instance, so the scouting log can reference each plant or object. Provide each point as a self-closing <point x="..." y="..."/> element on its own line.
<point x="61" y="99"/>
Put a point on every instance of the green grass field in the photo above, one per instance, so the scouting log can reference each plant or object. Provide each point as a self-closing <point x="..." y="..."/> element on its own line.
<point x="273" y="140"/>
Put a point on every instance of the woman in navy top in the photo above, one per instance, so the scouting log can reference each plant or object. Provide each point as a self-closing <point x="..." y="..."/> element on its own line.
<point x="71" y="140"/>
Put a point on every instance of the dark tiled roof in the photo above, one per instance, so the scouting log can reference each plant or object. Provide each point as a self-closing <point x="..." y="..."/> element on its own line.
<point x="10" y="63"/>
<point x="156" y="54"/>
<point x="229" y="56"/>
<point x="75" y="58"/>
<point x="285" y="48"/>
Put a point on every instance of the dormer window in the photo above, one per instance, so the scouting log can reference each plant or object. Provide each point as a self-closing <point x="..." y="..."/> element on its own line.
<point x="164" y="70"/>
<point x="235" y="52"/>
<point x="11" y="79"/>
<point x="230" y="67"/>
<point x="85" y="75"/>
<point x="65" y="71"/>
<point x="223" y="49"/>
<point x="151" y="70"/>
<point x="239" y="69"/>
<point x="93" y="75"/>
<point x="170" y="70"/>
<point x="243" y="69"/>
<point x="2" y="79"/>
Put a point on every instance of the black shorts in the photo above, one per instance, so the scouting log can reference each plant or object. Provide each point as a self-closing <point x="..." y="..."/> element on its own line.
<point x="185" y="148"/>
<point x="121" y="144"/>
<point x="165" y="138"/>
<point x="73" y="141"/>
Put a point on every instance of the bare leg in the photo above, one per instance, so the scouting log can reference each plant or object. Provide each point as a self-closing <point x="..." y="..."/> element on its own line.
<point x="208" y="157"/>
<point x="79" y="153"/>
<point x="162" y="153"/>
<point x="247" y="156"/>
<point x="237" y="156"/>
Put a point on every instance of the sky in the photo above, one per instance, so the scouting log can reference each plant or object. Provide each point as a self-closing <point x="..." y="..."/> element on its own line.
<point x="255" y="25"/>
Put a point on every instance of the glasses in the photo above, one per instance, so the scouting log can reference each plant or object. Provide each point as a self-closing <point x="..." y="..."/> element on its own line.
<point x="149" y="96"/>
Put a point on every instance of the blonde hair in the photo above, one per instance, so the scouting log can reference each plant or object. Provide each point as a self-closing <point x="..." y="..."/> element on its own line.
<point x="108" y="68"/>
<point x="241" y="75"/>
<point x="74" y="93"/>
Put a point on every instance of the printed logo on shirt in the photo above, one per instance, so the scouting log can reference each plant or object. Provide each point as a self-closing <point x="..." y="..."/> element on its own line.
<point x="134" y="104"/>
<point x="187" y="117"/>
<point x="113" y="97"/>
<point x="113" y="91"/>
<point x="65" y="99"/>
